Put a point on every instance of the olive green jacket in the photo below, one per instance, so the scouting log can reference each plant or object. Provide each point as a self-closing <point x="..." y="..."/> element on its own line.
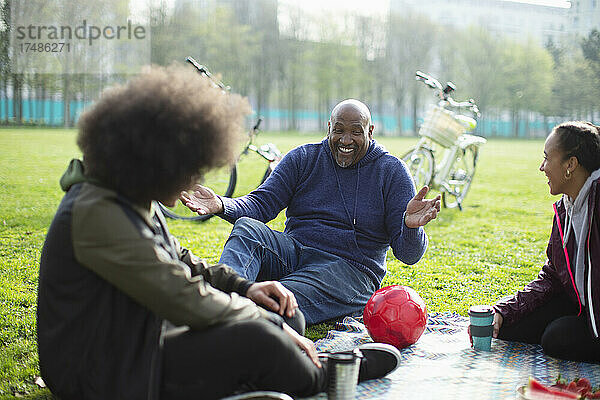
<point x="111" y="275"/>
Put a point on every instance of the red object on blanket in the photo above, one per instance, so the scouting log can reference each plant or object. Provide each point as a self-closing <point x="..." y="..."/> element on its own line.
<point x="396" y="315"/>
<point x="537" y="390"/>
<point x="581" y="386"/>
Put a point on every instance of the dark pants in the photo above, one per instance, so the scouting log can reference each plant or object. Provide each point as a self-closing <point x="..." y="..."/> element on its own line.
<point x="247" y="355"/>
<point x="558" y="329"/>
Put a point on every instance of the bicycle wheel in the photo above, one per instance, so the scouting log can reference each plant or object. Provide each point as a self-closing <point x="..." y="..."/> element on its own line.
<point x="222" y="181"/>
<point x="421" y="165"/>
<point x="460" y="178"/>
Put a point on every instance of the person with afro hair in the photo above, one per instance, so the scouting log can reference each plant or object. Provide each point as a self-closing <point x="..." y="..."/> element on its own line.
<point x="124" y="312"/>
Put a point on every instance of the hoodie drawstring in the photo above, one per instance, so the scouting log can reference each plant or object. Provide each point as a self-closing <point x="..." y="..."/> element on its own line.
<point x="337" y="179"/>
<point x="356" y="194"/>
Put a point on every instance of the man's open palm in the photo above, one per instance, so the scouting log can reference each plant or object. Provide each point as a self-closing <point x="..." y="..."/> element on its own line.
<point x="202" y="200"/>
<point x="420" y="211"/>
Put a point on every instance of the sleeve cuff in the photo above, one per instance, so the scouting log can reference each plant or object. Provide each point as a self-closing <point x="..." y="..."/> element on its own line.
<point x="227" y="213"/>
<point x="410" y="233"/>
<point x="243" y="287"/>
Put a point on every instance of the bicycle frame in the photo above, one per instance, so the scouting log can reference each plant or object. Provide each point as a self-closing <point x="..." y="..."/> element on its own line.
<point x="445" y="133"/>
<point x="268" y="151"/>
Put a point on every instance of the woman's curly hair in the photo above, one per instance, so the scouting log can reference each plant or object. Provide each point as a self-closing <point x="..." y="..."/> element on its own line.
<point x="155" y="135"/>
<point x="580" y="139"/>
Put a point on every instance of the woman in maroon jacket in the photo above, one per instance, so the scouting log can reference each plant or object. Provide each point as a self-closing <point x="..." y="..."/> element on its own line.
<point x="560" y="309"/>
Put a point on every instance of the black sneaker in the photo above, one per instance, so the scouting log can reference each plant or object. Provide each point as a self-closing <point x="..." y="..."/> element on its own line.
<point x="379" y="359"/>
<point x="261" y="395"/>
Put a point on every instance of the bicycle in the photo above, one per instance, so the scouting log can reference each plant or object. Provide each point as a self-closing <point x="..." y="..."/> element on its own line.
<point x="444" y="133"/>
<point x="225" y="180"/>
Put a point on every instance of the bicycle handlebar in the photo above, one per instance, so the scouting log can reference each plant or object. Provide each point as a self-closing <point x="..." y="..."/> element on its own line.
<point x="444" y="92"/>
<point x="204" y="71"/>
<point x="257" y="125"/>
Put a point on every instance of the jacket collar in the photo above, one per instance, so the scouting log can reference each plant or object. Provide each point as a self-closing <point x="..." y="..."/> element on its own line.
<point x="75" y="174"/>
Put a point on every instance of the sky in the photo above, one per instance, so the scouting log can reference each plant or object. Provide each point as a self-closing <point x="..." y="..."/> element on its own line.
<point x="553" y="3"/>
<point x="378" y="6"/>
<point x="366" y="7"/>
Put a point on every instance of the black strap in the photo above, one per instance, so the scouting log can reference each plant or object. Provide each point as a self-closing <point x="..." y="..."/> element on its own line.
<point x="482" y="331"/>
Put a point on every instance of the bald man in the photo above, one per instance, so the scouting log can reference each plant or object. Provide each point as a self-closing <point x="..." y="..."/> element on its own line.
<point x="348" y="200"/>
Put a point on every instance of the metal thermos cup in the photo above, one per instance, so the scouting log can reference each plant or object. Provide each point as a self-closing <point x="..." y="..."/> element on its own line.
<point x="342" y="369"/>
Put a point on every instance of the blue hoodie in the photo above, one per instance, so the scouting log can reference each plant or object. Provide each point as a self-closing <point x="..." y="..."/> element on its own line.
<point x="355" y="213"/>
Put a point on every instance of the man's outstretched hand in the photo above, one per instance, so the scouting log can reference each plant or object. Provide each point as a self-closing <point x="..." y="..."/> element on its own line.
<point x="420" y="211"/>
<point x="202" y="200"/>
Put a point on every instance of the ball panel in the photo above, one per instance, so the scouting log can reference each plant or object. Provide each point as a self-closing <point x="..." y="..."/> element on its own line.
<point x="397" y="296"/>
<point x="378" y="328"/>
<point x="410" y="313"/>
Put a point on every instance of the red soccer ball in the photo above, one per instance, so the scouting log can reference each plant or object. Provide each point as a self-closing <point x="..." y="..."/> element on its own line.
<point x="396" y="315"/>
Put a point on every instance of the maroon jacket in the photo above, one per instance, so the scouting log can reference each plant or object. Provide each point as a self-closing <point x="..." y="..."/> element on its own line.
<point x="558" y="274"/>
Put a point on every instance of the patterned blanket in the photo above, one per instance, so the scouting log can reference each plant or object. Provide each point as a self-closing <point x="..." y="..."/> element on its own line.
<point x="442" y="364"/>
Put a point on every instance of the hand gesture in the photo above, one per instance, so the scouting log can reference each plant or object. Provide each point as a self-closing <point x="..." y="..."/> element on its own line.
<point x="265" y="293"/>
<point x="202" y="200"/>
<point x="305" y="344"/>
<point x="420" y="211"/>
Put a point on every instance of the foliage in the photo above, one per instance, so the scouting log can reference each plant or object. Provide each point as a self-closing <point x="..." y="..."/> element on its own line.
<point x="572" y="93"/>
<point x="411" y="40"/>
<point x="294" y="68"/>
<point x="591" y="51"/>
<point x="489" y="250"/>
<point x="483" y="81"/>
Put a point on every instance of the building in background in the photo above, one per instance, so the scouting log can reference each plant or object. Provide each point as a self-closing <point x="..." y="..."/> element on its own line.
<point x="247" y="12"/>
<point x="584" y="15"/>
<point x="517" y="21"/>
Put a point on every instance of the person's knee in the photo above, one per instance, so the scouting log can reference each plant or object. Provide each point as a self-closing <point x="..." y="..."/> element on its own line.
<point x="297" y="322"/>
<point x="246" y="226"/>
<point x="261" y="334"/>
<point x="555" y="340"/>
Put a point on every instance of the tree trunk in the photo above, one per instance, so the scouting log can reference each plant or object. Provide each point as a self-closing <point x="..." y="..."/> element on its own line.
<point x="399" y="113"/>
<point x="17" y="99"/>
<point x="5" y="98"/>
<point x="415" y="102"/>
<point x="66" y="98"/>
<point x="31" y="98"/>
<point x="380" y="108"/>
<point x="51" y="113"/>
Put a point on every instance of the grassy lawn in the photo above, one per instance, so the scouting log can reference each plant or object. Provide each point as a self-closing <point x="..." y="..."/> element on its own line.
<point x="490" y="249"/>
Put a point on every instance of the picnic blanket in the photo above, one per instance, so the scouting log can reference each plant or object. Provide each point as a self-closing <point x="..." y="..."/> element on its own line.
<point x="442" y="364"/>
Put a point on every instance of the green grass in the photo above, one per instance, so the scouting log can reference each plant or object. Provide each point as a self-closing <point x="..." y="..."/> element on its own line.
<point x="491" y="249"/>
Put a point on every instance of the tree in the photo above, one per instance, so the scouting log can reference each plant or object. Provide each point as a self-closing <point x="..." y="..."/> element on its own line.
<point x="4" y="55"/>
<point x="370" y="36"/>
<point x="591" y="52"/>
<point x="473" y="69"/>
<point x="528" y="81"/>
<point x="410" y="41"/>
<point x="263" y="61"/>
<point x="572" y="93"/>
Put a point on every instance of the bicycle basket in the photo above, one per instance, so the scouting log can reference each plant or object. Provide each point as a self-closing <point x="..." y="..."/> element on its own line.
<point x="441" y="126"/>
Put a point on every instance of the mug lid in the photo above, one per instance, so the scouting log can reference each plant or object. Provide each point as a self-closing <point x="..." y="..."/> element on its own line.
<point x="480" y="310"/>
<point x="345" y="357"/>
